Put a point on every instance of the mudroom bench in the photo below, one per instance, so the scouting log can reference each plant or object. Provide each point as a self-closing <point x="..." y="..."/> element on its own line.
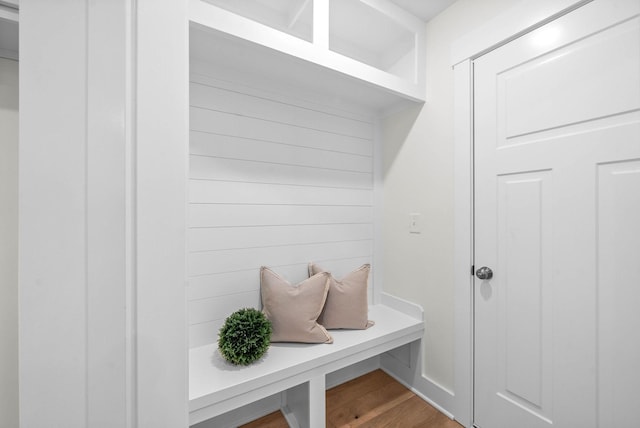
<point x="298" y="371"/>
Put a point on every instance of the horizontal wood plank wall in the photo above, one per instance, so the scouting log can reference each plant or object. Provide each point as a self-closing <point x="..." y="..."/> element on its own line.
<point x="274" y="181"/>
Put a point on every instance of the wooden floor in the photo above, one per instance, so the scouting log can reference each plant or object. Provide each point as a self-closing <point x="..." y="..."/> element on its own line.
<point x="373" y="400"/>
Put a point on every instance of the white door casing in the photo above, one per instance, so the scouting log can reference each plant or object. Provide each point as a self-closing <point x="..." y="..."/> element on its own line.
<point x="557" y="189"/>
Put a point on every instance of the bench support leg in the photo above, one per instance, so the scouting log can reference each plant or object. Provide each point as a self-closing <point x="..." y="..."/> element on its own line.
<point x="304" y="405"/>
<point x="317" y="405"/>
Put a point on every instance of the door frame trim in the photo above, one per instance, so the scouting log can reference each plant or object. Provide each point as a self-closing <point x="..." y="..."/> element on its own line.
<point x="524" y="17"/>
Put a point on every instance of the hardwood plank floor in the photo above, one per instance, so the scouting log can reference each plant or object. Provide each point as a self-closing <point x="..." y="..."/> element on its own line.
<point x="272" y="420"/>
<point x="374" y="400"/>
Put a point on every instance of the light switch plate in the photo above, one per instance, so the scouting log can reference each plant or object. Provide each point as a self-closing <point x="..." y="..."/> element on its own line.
<point x="415" y="223"/>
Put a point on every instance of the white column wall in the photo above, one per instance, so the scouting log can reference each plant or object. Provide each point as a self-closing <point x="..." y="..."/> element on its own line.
<point x="103" y="137"/>
<point x="161" y="159"/>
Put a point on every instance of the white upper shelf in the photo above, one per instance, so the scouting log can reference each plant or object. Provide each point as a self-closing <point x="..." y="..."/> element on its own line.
<point x="372" y="49"/>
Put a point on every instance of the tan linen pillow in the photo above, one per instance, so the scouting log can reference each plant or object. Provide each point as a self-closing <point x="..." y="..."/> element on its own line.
<point x="347" y="305"/>
<point x="294" y="309"/>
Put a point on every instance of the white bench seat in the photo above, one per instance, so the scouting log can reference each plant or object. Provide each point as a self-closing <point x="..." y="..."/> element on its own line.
<point x="216" y="387"/>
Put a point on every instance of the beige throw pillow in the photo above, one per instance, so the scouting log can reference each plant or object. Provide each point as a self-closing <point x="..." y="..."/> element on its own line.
<point x="294" y="309"/>
<point x="347" y="305"/>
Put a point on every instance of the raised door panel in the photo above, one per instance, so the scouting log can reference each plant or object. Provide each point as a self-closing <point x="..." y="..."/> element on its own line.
<point x="570" y="85"/>
<point x="523" y="288"/>
<point x="618" y="288"/>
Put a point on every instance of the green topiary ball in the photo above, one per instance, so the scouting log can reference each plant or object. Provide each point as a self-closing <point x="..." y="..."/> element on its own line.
<point x="245" y="336"/>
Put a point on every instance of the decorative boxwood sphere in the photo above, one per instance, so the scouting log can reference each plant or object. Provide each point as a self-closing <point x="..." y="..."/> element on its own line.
<point x="245" y="336"/>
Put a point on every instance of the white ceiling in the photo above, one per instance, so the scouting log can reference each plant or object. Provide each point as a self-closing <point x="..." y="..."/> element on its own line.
<point x="424" y="9"/>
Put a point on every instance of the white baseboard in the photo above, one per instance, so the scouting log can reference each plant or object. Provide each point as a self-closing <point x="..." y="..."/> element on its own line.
<point x="410" y="375"/>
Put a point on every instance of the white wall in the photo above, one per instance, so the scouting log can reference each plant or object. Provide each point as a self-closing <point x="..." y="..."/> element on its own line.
<point x="8" y="243"/>
<point x="274" y="180"/>
<point x="418" y="178"/>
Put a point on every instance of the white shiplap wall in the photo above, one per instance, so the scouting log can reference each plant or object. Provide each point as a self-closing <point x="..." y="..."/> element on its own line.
<point x="275" y="181"/>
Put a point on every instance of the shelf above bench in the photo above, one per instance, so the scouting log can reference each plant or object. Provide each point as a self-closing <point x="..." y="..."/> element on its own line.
<point x="340" y="68"/>
<point x="216" y="387"/>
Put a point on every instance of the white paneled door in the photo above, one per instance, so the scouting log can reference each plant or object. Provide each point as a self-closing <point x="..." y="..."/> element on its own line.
<point x="557" y="220"/>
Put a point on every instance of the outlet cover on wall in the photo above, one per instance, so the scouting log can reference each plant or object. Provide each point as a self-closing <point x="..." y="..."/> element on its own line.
<point x="415" y="223"/>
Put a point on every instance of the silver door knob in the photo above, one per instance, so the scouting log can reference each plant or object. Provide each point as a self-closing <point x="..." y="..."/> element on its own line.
<point x="484" y="273"/>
